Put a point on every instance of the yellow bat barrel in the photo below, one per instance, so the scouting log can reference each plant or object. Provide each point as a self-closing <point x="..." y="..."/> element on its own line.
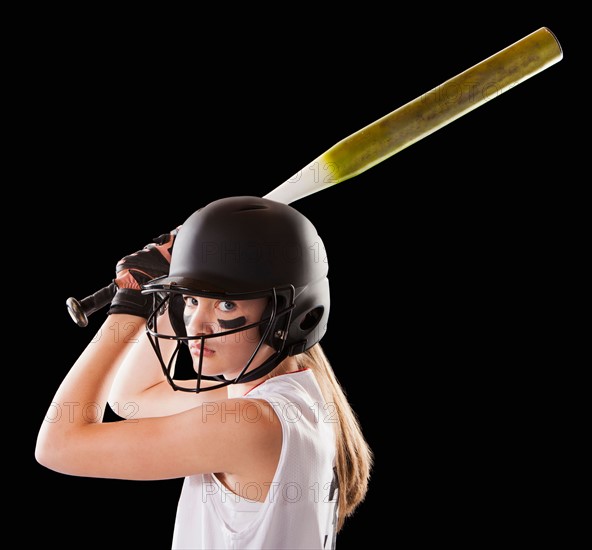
<point x="424" y="115"/>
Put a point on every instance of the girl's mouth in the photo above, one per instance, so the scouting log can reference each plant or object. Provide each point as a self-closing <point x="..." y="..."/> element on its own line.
<point x="197" y="350"/>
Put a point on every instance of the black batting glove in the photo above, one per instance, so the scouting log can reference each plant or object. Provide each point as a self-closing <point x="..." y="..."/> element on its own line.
<point x="137" y="269"/>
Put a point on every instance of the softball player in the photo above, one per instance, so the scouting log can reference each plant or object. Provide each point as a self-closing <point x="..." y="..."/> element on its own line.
<point x="271" y="453"/>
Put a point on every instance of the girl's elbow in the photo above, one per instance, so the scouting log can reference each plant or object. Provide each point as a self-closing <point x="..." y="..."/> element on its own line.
<point x="47" y="452"/>
<point x="43" y="454"/>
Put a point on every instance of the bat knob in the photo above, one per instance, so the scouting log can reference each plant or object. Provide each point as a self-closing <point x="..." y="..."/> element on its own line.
<point x="76" y="311"/>
<point x="80" y="310"/>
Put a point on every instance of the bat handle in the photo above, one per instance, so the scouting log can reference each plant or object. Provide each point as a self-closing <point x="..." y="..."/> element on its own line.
<point x="80" y="310"/>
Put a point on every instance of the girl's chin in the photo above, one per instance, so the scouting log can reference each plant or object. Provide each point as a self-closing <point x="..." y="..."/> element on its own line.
<point x="207" y="370"/>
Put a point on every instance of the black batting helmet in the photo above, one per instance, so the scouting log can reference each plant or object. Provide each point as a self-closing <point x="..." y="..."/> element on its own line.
<point x="240" y="248"/>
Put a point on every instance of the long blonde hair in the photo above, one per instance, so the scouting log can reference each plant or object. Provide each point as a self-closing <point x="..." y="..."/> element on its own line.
<point x="354" y="457"/>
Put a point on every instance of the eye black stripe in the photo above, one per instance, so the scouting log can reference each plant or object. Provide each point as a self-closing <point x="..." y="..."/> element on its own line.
<point x="232" y="323"/>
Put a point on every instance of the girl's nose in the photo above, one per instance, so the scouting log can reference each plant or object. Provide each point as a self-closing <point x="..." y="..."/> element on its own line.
<point x="200" y="320"/>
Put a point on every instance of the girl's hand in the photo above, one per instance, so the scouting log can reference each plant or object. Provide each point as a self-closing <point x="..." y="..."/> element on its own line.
<point x="138" y="268"/>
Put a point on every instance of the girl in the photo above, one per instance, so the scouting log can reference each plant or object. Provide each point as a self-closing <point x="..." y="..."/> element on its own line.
<point x="271" y="452"/>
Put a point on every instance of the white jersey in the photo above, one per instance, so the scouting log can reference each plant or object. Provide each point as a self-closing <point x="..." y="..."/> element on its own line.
<point x="300" y="509"/>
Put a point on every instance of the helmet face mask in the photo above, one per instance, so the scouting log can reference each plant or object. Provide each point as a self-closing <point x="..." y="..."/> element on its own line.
<point x="272" y="331"/>
<point x="243" y="248"/>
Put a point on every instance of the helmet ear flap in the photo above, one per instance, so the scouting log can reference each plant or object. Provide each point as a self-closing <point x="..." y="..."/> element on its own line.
<point x="310" y="317"/>
<point x="308" y="331"/>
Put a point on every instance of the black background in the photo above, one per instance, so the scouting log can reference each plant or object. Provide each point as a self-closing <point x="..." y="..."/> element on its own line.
<point x="438" y="256"/>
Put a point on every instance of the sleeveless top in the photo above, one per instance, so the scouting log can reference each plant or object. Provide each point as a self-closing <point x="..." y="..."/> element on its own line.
<point x="300" y="510"/>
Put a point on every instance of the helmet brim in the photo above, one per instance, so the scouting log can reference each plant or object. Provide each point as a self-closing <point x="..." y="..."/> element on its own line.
<point x="185" y="285"/>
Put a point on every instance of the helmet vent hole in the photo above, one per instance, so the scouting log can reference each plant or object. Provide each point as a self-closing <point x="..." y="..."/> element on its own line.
<point x="250" y="207"/>
<point x="312" y="318"/>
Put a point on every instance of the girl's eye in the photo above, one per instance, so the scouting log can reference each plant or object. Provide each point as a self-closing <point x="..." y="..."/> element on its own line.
<point x="190" y="301"/>
<point x="227" y="306"/>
